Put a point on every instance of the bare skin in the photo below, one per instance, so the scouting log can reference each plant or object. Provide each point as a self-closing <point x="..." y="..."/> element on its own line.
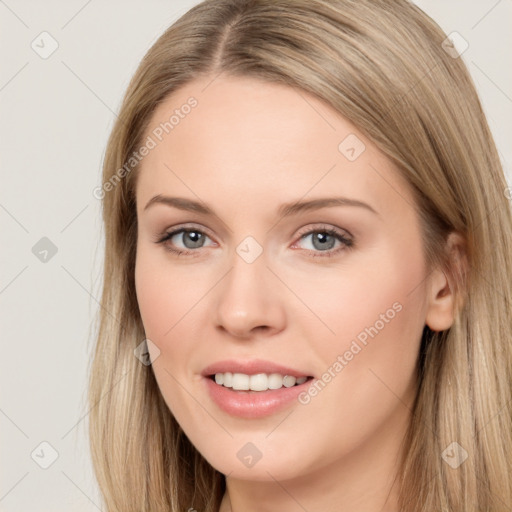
<point x="244" y="150"/>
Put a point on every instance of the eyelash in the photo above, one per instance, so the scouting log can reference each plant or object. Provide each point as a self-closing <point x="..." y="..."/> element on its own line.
<point x="347" y="242"/>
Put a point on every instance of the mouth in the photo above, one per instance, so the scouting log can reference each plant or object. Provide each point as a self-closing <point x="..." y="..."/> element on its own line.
<point x="254" y="388"/>
<point x="255" y="396"/>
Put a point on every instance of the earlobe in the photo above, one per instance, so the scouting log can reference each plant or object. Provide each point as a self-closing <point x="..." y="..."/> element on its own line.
<point x="441" y="290"/>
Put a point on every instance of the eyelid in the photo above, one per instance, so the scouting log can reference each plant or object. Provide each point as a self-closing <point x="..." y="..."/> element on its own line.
<point x="324" y="227"/>
<point x="183" y="227"/>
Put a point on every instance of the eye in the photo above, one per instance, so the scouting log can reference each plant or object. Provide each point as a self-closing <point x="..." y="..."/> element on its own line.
<point x="191" y="238"/>
<point x="323" y="240"/>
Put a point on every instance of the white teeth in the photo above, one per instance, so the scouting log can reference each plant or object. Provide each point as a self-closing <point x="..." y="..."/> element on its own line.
<point x="228" y="380"/>
<point x="275" y="381"/>
<point x="258" y="382"/>
<point x="241" y="381"/>
<point x="289" y="381"/>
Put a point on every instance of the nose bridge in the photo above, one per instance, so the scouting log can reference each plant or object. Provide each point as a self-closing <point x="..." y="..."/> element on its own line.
<point x="248" y="296"/>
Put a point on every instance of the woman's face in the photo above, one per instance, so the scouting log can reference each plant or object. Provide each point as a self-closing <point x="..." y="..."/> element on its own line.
<point x="335" y="290"/>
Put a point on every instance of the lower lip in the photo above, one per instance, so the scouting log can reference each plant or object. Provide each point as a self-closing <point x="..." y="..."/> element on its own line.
<point x="253" y="404"/>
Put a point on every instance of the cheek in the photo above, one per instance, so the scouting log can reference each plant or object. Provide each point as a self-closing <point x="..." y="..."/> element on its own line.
<point x="164" y="301"/>
<point x="375" y="310"/>
<point x="369" y="364"/>
<point x="165" y="293"/>
<point x="367" y="289"/>
<point x="154" y="303"/>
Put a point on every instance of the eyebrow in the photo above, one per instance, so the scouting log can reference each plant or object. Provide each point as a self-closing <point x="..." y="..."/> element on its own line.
<point x="285" y="210"/>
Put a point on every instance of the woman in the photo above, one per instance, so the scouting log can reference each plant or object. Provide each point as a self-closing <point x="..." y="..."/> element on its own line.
<point x="308" y="265"/>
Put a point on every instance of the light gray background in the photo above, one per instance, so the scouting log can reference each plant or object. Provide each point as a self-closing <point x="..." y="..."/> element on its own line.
<point x="56" y="115"/>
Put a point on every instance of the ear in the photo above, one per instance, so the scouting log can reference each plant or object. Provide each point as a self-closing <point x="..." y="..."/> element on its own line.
<point x="442" y="299"/>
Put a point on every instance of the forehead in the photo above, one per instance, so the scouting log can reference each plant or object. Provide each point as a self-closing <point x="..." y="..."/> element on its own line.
<point x="247" y="141"/>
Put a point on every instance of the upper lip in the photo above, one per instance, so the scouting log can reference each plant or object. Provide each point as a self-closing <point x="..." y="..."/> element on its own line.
<point x="251" y="367"/>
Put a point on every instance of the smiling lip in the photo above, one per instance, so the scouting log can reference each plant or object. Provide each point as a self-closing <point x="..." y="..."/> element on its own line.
<point x="250" y="367"/>
<point x="252" y="404"/>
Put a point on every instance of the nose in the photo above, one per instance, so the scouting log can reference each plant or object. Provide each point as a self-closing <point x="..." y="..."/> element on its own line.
<point x="250" y="300"/>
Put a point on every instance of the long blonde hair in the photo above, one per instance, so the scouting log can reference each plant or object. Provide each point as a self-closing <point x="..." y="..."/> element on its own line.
<point x="381" y="64"/>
